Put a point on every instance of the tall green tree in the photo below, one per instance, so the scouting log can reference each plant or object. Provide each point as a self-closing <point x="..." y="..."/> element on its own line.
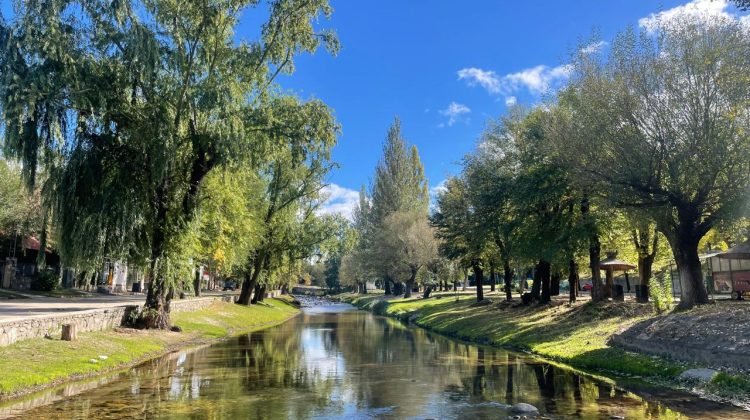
<point x="458" y="225"/>
<point x="130" y="104"/>
<point x="293" y="179"/>
<point x="399" y="185"/>
<point x="670" y="113"/>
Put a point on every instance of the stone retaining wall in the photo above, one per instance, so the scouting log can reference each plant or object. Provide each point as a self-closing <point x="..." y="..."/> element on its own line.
<point x="90" y="320"/>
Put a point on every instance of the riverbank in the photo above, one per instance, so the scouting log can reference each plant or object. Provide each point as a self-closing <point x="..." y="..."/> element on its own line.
<point x="579" y="335"/>
<point x="31" y="365"/>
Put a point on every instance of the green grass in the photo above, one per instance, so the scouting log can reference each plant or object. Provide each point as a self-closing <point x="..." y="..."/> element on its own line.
<point x="727" y="384"/>
<point x="33" y="363"/>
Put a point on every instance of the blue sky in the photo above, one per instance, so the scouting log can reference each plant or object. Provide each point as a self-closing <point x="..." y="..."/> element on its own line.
<point x="445" y="67"/>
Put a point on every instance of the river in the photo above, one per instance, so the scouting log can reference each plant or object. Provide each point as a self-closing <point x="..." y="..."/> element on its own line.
<point x="336" y="362"/>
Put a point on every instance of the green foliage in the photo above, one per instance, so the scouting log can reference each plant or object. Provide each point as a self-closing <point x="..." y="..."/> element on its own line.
<point x="732" y="384"/>
<point x="45" y="281"/>
<point x="20" y="210"/>
<point x="660" y="292"/>
<point x="393" y="241"/>
<point x="129" y="106"/>
<point x="661" y="125"/>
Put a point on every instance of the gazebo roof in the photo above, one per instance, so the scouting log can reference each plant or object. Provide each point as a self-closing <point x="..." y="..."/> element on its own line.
<point x="737" y="252"/>
<point x="710" y="254"/>
<point x="612" y="263"/>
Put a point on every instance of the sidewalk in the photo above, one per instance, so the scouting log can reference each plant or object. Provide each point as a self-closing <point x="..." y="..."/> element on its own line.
<point x="36" y="306"/>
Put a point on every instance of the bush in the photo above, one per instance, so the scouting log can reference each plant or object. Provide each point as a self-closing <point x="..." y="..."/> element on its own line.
<point x="45" y="281"/>
<point x="661" y="293"/>
<point x="732" y="383"/>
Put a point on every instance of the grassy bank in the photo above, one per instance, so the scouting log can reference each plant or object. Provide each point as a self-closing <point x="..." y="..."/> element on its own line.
<point x="30" y="365"/>
<point x="577" y="335"/>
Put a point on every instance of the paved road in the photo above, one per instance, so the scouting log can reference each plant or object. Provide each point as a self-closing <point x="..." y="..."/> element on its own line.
<point x="17" y="309"/>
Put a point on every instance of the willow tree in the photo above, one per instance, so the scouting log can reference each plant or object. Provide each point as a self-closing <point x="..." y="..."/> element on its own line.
<point x="293" y="175"/>
<point x="227" y="224"/>
<point x="406" y="244"/>
<point x="671" y="117"/>
<point x="130" y="104"/>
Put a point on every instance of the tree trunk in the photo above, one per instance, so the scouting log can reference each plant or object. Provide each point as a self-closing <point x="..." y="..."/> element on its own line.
<point x="427" y="291"/>
<point x="641" y="239"/>
<point x="256" y="293"/>
<point x="478" y="278"/>
<point x="197" y="281"/>
<point x="544" y="277"/>
<point x="398" y="288"/>
<point x="466" y="279"/>
<point x="508" y="277"/>
<point x="685" y="250"/>
<point x="610" y="284"/>
<point x="554" y="289"/>
<point x="536" y="285"/>
<point x="156" y="308"/>
<point x="492" y="277"/>
<point x="595" y="253"/>
<point x="387" y="286"/>
<point x="572" y="279"/>
<point x="455" y="286"/>
<point x="251" y="280"/>
<point x="410" y="284"/>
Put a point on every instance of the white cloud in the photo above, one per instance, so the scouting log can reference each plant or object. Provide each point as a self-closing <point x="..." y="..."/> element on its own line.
<point x="594" y="47"/>
<point x="454" y="112"/>
<point x="539" y="79"/>
<point x="510" y="101"/>
<point x="486" y="79"/>
<point x="536" y="80"/>
<point x="339" y="200"/>
<point x="434" y="191"/>
<point x="704" y="11"/>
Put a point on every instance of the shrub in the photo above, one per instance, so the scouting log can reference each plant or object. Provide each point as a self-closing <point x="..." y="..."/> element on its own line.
<point x="45" y="281"/>
<point x="661" y="293"/>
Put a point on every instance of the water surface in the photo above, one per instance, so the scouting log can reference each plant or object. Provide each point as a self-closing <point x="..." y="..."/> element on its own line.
<point x="335" y="362"/>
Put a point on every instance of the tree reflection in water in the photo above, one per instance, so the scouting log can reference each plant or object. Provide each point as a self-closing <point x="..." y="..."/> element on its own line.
<point x="345" y="364"/>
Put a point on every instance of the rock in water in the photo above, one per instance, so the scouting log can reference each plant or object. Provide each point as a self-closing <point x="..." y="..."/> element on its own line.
<point x="523" y="408"/>
<point x="702" y="374"/>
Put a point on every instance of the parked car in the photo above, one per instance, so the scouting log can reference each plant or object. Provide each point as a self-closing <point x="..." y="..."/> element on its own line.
<point x="230" y="285"/>
<point x="587" y="287"/>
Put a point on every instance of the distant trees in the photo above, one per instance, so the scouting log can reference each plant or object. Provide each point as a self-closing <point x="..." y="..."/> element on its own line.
<point x="394" y="240"/>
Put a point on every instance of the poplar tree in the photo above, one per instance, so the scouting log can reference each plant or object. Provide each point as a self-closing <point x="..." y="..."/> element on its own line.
<point x="399" y="186"/>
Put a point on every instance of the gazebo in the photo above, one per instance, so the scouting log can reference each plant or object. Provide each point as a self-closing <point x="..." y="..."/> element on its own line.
<point x="738" y="276"/>
<point x="610" y="265"/>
